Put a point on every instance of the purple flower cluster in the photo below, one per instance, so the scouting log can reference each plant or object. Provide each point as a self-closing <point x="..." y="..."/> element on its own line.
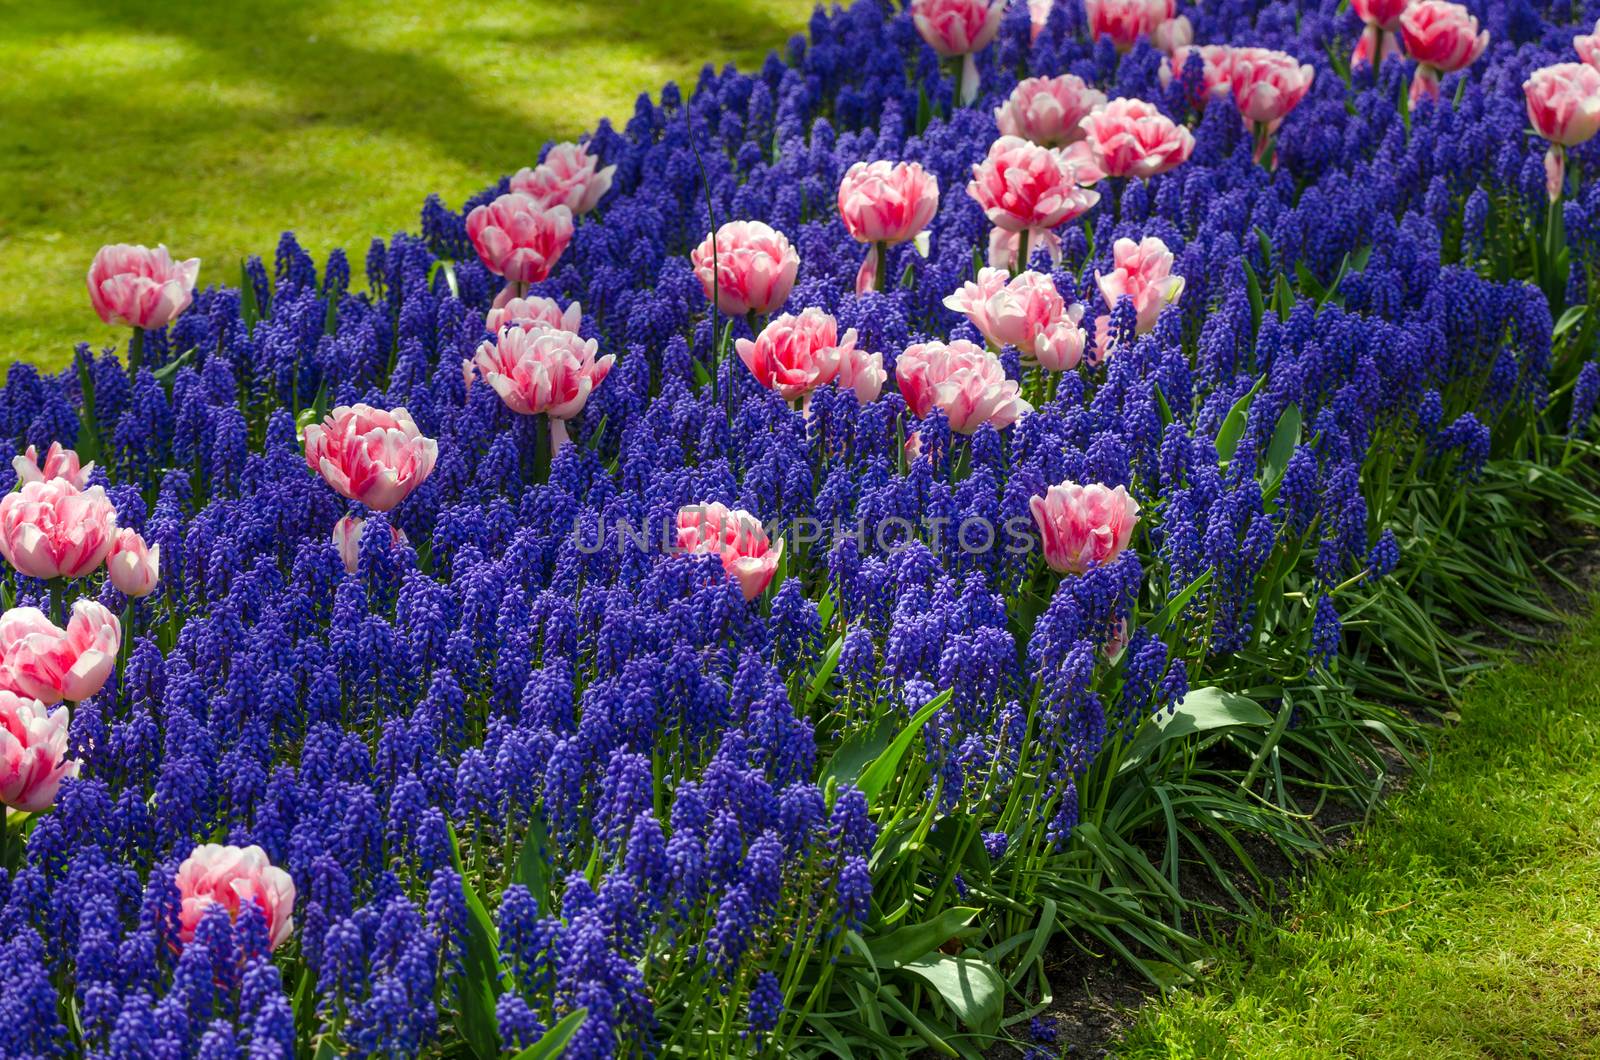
<point x="514" y="776"/>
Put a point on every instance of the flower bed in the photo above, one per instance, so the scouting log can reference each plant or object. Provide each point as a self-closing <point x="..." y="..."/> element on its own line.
<point x="602" y="635"/>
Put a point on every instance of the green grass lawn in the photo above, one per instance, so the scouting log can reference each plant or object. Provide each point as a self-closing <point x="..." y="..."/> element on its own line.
<point x="214" y="126"/>
<point x="1465" y="925"/>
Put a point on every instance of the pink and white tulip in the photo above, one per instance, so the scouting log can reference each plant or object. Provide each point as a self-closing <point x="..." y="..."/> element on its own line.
<point x="1026" y="188"/>
<point x="370" y="455"/>
<point x="1564" y="107"/>
<point x="959" y="28"/>
<point x="794" y="355"/>
<point x="1442" y="37"/>
<point x="569" y="176"/>
<point x="1132" y="138"/>
<point x="540" y="370"/>
<point x="52" y="529"/>
<point x="755" y="268"/>
<point x="1268" y="84"/>
<point x="58" y="463"/>
<point x="347" y="539"/>
<point x="738" y="537"/>
<point x="1026" y="312"/>
<point x="1048" y="110"/>
<point x="134" y="567"/>
<point x="863" y="373"/>
<point x="48" y="663"/>
<point x="1039" y="16"/>
<point x="1125" y="21"/>
<point x="883" y="204"/>
<point x="508" y="309"/>
<point x="518" y="238"/>
<point x="1143" y="272"/>
<point x="1587" y="45"/>
<point x="33" y="753"/>
<point x="1382" y="18"/>
<point x="1369" y="41"/>
<point x="140" y="287"/>
<point x="1083" y="526"/>
<point x="1216" y="73"/>
<point x="230" y="876"/>
<point x="964" y="380"/>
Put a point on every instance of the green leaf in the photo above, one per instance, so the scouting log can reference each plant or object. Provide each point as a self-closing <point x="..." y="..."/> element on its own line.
<point x="702" y="375"/>
<point x="1203" y="710"/>
<point x="819" y="681"/>
<point x="554" y="1041"/>
<point x="1284" y="439"/>
<point x="1233" y="424"/>
<point x="1569" y="320"/>
<point x="533" y="866"/>
<point x="916" y="941"/>
<point x="479" y="984"/>
<point x="973" y="990"/>
<point x="1174" y="607"/>
<point x="449" y="270"/>
<point x="1253" y="288"/>
<point x="877" y="776"/>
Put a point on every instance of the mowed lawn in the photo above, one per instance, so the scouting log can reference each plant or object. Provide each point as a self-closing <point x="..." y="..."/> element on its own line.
<point x="214" y="126"/>
<point x="1465" y="922"/>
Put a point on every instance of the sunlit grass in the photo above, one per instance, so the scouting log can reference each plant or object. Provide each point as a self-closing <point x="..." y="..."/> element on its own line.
<point x="1468" y="925"/>
<point x="213" y="127"/>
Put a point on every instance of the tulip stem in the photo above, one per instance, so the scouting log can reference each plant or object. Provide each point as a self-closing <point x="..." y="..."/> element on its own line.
<point x="136" y="351"/>
<point x="1020" y="266"/>
<point x="58" y="587"/>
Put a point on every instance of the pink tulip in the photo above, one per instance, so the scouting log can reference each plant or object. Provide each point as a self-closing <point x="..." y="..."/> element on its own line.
<point x="33" y="753"/>
<point x="1026" y="312"/>
<point x="1039" y="16"/>
<point x="347" y="539"/>
<point x="1442" y="37"/>
<point x="1384" y="14"/>
<point x="964" y="380"/>
<point x="519" y="239"/>
<point x="794" y="355"/>
<point x="959" y="28"/>
<point x="1216" y="76"/>
<point x="1368" y="41"/>
<point x="1268" y="84"/>
<point x="862" y="372"/>
<point x="748" y="556"/>
<point x="542" y="370"/>
<point x="40" y="659"/>
<point x="509" y="309"/>
<point x="1564" y="107"/>
<point x="1023" y="187"/>
<point x="1564" y="102"/>
<point x="52" y="529"/>
<point x="1143" y="272"/>
<point x="884" y="204"/>
<point x="135" y="567"/>
<point x="1125" y="21"/>
<point x="569" y="176"/>
<point x="58" y="463"/>
<point x="1131" y="138"/>
<point x="230" y="876"/>
<point x="1173" y="34"/>
<point x="755" y="268"/>
<point x="370" y="455"/>
<point x="1083" y="526"/>
<point x="1048" y="110"/>
<point x="1588" y="46"/>
<point x="140" y="287"/>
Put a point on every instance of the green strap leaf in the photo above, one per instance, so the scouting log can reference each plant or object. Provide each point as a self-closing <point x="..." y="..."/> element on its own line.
<point x="916" y="941"/>
<point x="1203" y="710"/>
<point x="973" y="989"/>
<point x="877" y="776"/>
<point x="554" y="1041"/>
